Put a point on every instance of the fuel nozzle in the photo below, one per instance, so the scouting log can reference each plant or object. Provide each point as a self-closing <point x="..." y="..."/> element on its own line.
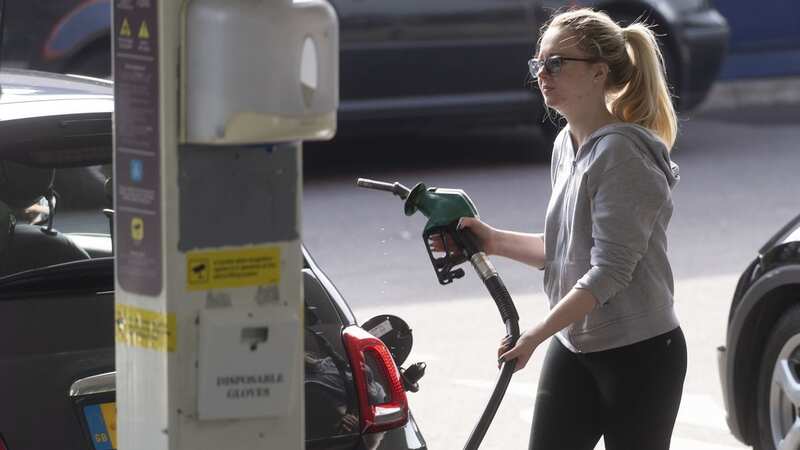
<point x="443" y="208"/>
<point x="395" y="188"/>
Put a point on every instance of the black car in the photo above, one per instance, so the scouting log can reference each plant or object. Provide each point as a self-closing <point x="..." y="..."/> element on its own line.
<point x="57" y="298"/>
<point x="760" y="363"/>
<point x="410" y="64"/>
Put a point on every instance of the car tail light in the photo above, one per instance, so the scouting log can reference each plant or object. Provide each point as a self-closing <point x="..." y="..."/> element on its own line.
<point x="3" y="443"/>
<point x="381" y="396"/>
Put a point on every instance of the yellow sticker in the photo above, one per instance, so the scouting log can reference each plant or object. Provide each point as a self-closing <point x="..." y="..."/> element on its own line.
<point x="144" y="328"/>
<point x="109" y="413"/>
<point x="137" y="228"/>
<point x="251" y="266"/>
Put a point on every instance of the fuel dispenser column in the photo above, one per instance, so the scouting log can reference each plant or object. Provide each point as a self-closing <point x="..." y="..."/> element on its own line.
<point x="212" y="101"/>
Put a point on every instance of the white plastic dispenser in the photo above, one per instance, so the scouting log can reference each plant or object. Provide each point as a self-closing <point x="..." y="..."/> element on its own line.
<point x="220" y="105"/>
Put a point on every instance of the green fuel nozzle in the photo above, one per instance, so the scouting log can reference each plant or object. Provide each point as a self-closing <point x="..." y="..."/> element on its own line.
<point x="443" y="208"/>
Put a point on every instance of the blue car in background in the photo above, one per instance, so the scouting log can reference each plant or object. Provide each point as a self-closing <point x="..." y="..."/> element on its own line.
<point x="765" y="38"/>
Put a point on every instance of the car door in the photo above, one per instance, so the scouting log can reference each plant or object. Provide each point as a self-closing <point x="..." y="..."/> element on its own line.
<point x="367" y="47"/>
<point x="420" y="54"/>
<point x="465" y="47"/>
<point x="56" y="326"/>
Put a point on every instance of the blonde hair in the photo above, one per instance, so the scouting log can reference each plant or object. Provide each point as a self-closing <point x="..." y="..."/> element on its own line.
<point x="636" y="87"/>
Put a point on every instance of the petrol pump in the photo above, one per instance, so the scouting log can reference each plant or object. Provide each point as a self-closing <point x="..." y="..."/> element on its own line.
<point x="212" y="101"/>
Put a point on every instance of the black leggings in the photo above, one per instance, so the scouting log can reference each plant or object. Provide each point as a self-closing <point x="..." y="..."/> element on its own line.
<point x="629" y="395"/>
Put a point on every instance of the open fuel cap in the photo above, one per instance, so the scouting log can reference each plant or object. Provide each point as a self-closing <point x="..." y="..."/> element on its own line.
<point x="394" y="332"/>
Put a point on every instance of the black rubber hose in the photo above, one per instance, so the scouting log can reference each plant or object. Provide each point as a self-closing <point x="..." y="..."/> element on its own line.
<point x="470" y="244"/>
<point x="507" y="370"/>
<point x="502" y="298"/>
<point x="508" y="312"/>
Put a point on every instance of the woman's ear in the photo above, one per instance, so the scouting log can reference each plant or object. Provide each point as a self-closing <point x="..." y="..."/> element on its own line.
<point x="600" y="73"/>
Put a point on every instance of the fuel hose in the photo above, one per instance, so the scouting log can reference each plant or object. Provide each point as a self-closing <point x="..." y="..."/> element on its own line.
<point x="508" y="313"/>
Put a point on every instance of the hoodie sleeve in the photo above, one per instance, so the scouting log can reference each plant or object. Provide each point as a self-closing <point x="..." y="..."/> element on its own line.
<point x="625" y="204"/>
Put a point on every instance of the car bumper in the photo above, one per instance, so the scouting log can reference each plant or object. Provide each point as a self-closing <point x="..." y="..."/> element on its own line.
<point x="702" y="48"/>
<point x="407" y="437"/>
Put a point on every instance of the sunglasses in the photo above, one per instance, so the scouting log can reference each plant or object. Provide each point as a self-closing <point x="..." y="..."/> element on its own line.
<point x="552" y="65"/>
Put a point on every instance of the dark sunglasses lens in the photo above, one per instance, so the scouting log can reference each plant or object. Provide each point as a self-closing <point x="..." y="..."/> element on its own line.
<point x="553" y="65"/>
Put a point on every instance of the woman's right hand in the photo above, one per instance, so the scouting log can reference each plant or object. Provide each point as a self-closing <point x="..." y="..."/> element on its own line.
<point x="480" y="229"/>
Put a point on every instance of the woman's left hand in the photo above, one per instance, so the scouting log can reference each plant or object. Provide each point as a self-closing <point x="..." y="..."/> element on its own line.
<point x="526" y="344"/>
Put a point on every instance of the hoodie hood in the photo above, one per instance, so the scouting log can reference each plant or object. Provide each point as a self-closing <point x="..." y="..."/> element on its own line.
<point x="650" y="145"/>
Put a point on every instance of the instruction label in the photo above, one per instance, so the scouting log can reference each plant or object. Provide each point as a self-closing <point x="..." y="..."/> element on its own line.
<point x="137" y="147"/>
<point x="143" y="328"/>
<point x="233" y="268"/>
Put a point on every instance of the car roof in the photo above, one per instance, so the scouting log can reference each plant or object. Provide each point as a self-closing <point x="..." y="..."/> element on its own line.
<point x="53" y="120"/>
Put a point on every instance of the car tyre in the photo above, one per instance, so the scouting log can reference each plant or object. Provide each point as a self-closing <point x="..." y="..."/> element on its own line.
<point x="778" y="395"/>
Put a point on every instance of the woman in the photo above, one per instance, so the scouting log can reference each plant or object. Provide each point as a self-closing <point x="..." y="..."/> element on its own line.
<point x="617" y="366"/>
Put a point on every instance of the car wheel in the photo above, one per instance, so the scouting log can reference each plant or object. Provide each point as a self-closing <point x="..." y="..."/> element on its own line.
<point x="778" y="396"/>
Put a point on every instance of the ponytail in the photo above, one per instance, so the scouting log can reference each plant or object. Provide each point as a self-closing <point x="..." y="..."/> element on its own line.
<point x="645" y="99"/>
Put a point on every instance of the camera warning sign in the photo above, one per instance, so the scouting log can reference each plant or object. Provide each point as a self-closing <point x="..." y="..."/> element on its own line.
<point x="251" y="266"/>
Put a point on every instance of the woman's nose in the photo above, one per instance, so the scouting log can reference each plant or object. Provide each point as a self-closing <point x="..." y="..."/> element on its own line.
<point x="543" y="75"/>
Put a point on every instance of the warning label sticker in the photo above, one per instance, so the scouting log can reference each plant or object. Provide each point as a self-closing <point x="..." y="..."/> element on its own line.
<point x="143" y="328"/>
<point x="144" y="32"/>
<point x="125" y="31"/>
<point x="232" y="268"/>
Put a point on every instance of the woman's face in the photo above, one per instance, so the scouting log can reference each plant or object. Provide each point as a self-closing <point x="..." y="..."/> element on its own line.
<point x="576" y="85"/>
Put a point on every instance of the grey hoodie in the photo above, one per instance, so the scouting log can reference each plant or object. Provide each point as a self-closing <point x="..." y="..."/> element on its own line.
<point x="605" y="232"/>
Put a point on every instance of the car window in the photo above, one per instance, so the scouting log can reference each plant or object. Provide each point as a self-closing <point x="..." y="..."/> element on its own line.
<point x="331" y="402"/>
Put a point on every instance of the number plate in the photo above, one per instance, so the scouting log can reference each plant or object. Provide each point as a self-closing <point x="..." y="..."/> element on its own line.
<point x="102" y="421"/>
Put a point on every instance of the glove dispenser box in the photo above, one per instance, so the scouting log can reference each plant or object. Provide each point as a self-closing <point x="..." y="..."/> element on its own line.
<point x="273" y="76"/>
<point x="246" y="365"/>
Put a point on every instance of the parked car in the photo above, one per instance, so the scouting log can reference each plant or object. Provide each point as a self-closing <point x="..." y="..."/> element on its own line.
<point x="57" y="298"/>
<point x="413" y="64"/>
<point x="759" y="365"/>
